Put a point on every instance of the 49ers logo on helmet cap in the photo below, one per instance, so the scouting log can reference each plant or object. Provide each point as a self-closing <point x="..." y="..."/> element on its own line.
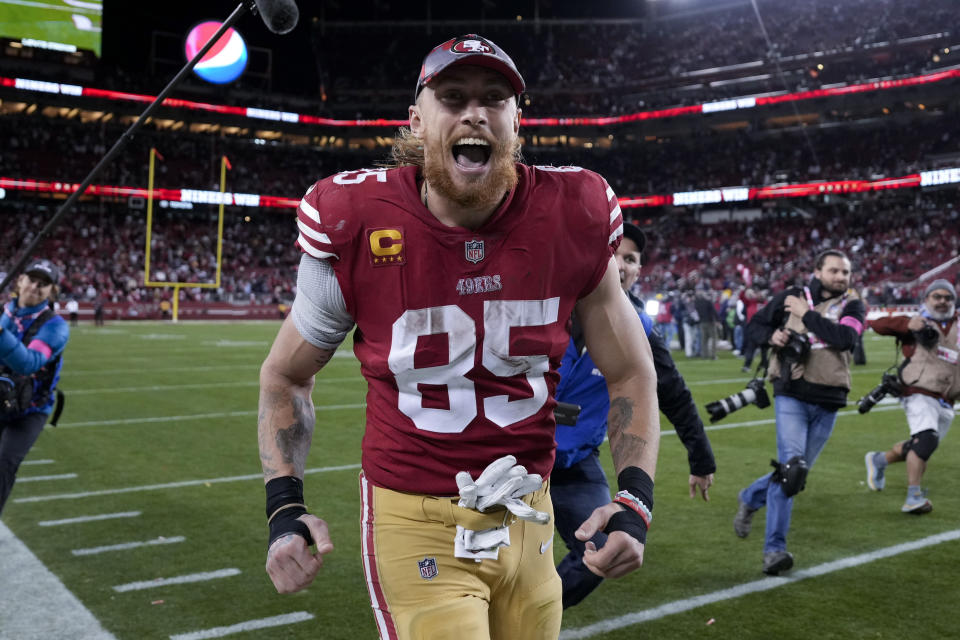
<point x="471" y="45"/>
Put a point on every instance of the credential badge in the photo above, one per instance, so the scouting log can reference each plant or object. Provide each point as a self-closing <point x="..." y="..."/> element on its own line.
<point x="474" y="250"/>
<point x="428" y="568"/>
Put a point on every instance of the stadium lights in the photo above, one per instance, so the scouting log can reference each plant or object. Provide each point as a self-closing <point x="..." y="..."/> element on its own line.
<point x="748" y="102"/>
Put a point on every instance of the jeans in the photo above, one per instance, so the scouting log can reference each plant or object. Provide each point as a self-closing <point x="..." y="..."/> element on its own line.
<point x="802" y="430"/>
<point x="17" y="435"/>
<point x="576" y="492"/>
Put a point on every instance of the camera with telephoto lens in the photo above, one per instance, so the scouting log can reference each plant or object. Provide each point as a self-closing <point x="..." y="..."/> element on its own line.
<point x="755" y="393"/>
<point x="889" y="385"/>
<point x="16" y="393"/>
<point x="796" y="349"/>
<point x="927" y="337"/>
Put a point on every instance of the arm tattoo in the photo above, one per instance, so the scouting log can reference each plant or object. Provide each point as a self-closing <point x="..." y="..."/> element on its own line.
<point x="625" y="447"/>
<point x="323" y="358"/>
<point x="294" y="441"/>
<point x="291" y="442"/>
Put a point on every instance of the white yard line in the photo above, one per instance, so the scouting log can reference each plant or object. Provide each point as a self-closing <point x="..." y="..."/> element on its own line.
<point x="62" y="476"/>
<point x="97" y="518"/>
<point x="169" y="485"/>
<point x="249" y="625"/>
<point x="123" y="546"/>
<point x="766" y="584"/>
<point x="35" y="604"/>
<point x="31" y="462"/>
<point x="195" y="416"/>
<point x="184" y="579"/>
<point x="202" y="385"/>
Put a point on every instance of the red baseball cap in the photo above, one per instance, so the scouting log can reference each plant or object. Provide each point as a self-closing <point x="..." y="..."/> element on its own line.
<point x="469" y="49"/>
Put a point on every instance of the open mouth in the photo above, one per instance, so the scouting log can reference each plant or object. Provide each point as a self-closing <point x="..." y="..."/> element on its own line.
<point x="471" y="153"/>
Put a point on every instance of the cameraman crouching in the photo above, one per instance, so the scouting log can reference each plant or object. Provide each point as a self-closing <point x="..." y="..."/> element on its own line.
<point x="813" y="331"/>
<point x="931" y="377"/>
<point x="32" y="338"/>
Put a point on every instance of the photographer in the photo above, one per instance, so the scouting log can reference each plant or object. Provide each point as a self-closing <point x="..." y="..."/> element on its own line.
<point x="931" y="384"/>
<point x="32" y="338"/>
<point x="813" y="331"/>
<point x="578" y="482"/>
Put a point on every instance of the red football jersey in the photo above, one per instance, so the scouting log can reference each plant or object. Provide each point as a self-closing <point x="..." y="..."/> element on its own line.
<point x="460" y="332"/>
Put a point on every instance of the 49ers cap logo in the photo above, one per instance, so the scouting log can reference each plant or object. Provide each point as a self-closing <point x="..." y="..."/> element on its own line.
<point x="471" y="45"/>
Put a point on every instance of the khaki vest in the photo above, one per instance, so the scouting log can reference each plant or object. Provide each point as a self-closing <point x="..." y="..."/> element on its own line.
<point x="937" y="369"/>
<point x="824" y="364"/>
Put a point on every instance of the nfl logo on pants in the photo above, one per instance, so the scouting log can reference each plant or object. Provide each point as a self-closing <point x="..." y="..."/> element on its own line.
<point x="473" y="250"/>
<point x="428" y="568"/>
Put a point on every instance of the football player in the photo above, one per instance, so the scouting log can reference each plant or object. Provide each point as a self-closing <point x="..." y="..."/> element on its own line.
<point x="460" y="268"/>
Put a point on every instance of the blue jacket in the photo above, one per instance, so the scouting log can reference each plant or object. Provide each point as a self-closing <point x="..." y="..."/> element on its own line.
<point x="581" y="383"/>
<point x="20" y="359"/>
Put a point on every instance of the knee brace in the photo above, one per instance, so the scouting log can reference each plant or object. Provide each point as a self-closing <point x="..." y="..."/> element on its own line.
<point x="792" y="475"/>
<point x="923" y="444"/>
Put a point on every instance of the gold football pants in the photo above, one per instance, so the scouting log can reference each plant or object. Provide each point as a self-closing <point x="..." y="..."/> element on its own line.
<point x="420" y="591"/>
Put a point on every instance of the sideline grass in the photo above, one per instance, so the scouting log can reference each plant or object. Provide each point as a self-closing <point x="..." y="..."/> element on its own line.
<point x="691" y="550"/>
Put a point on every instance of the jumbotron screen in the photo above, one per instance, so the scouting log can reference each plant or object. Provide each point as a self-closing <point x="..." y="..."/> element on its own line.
<point x="61" y="25"/>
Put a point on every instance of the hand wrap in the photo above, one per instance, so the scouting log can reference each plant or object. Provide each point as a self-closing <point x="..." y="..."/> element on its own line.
<point x="636" y="496"/>
<point x="284" y="506"/>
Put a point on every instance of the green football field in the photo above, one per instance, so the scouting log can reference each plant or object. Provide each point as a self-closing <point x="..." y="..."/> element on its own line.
<point x="53" y="21"/>
<point x="158" y="442"/>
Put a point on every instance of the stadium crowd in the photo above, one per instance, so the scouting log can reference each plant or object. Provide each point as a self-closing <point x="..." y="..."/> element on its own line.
<point x="686" y="57"/>
<point x="885" y="146"/>
<point x="892" y="238"/>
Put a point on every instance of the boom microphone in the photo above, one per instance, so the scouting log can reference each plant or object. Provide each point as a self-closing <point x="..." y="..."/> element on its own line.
<point x="280" y="16"/>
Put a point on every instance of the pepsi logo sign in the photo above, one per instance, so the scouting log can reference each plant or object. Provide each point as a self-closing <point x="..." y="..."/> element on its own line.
<point x="226" y="59"/>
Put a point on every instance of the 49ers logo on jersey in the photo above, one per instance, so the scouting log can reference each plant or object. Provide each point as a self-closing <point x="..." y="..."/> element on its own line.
<point x="386" y="247"/>
<point x="471" y="45"/>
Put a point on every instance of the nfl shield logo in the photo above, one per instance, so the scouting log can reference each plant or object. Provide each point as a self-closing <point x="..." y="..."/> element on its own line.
<point x="428" y="568"/>
<point x="474" y="250"/>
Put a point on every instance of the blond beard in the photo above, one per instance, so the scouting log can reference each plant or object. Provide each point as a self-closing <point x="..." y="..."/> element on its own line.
<point x="486" y="192"/>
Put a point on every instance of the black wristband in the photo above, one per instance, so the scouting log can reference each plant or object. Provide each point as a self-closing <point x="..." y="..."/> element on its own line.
<point x="639" y="483"/>
<point x="630" y="522"/>
<point x="636" y="498"/>
<point x="284" y="505"/>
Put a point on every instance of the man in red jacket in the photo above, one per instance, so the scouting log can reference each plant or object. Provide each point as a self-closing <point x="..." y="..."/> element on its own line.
<point x="931" y="379"/>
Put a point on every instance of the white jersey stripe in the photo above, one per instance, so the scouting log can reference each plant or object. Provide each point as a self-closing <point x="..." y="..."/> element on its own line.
<point x="312" y="250"/>
<point x="384" y="626"/>
<point x="311" y="233"/>
<point x="610" y="193"/>
<point x="614" y="213"/>
<point x="307" y="209"/>
<point x="616" y="233"/>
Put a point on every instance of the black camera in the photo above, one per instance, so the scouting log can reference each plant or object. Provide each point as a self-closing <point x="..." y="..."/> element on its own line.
<point x="566" y="413"/>
<point x="755" y="393"/>
<point x="797" y="347"/>
<point x="927" y="337"/>
<point x="889" y="385"/>
<point x="16" y="393"/>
